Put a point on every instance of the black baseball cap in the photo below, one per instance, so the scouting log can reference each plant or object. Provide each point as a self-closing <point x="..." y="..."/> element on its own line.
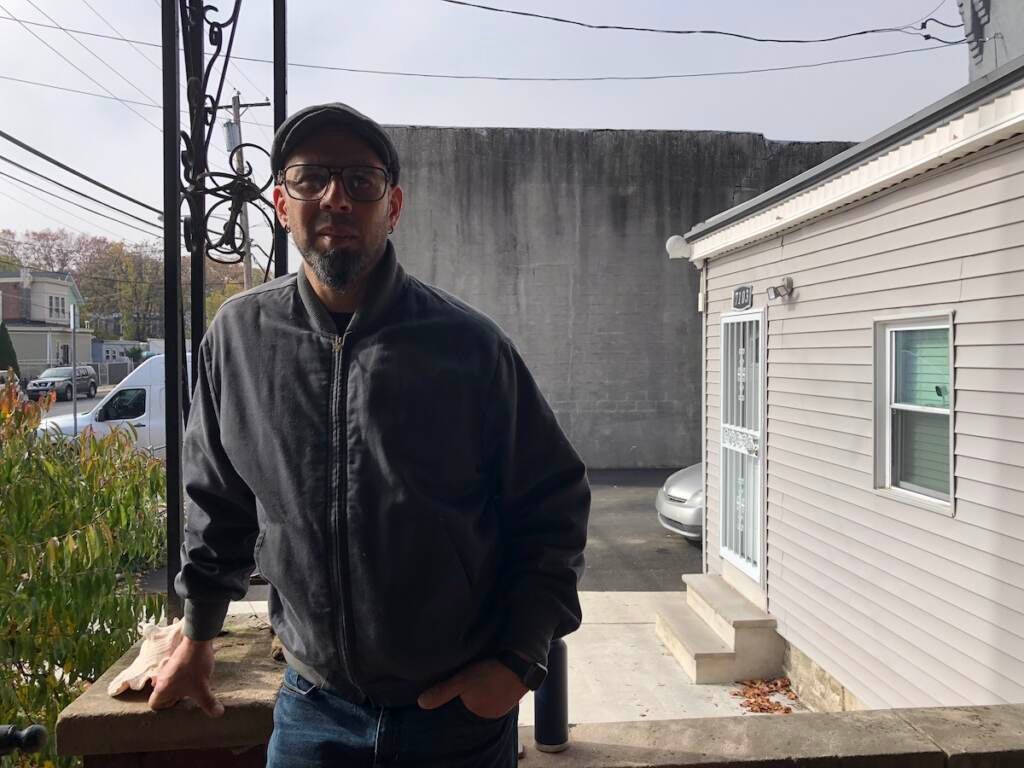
<point x="308" y="121"/>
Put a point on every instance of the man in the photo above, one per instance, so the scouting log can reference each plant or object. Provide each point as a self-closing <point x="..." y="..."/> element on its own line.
<point x="380" y="451"/>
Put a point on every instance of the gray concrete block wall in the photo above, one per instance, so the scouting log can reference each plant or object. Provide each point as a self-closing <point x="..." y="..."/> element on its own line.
<point x="559" y="236"/>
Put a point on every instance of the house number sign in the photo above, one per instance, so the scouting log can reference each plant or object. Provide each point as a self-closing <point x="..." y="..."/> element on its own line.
<point x="743" y="297"/>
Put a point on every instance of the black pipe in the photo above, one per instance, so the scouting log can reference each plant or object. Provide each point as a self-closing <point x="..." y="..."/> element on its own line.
<point x="280" y="113"/>
<point x="551" y="702"/>
<point x="197" y="94"/>
<point x="173" y="357"/>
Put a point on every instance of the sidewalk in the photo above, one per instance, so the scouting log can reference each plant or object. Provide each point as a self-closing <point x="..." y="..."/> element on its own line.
<point x="618" y="669"/>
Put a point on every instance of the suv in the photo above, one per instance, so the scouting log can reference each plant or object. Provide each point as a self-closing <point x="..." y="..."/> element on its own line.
<point x="59" y="380"/>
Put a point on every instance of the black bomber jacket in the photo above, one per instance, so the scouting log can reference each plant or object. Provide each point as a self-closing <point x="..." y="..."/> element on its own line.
<point x="403" y="487"/>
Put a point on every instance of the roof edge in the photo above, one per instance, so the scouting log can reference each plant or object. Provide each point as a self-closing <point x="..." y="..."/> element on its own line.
<point x="994" y="84"/>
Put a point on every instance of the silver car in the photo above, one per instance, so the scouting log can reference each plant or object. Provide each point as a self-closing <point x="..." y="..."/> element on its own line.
<point x="680" y="503"/>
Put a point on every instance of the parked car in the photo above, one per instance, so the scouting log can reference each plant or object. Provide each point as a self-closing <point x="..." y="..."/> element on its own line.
<point x="59" y="380"/>
<point x="138" y="400"/>
<point x="680" y="503"/>
<point x="17" y="383"/>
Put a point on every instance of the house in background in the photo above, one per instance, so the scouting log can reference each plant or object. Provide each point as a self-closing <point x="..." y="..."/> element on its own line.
<point x="36" y="306"/>
<point x="864" y="419"/>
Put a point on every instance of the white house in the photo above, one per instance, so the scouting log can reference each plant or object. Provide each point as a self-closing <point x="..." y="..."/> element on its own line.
<point x="36" y="307"/>
<point x="864" y="419"/>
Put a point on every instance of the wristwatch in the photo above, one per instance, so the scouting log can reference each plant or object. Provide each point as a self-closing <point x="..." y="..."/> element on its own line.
<point x="530" y="672"/>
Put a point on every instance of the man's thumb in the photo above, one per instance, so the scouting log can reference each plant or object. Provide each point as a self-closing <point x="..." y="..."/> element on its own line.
<point x="440" y="694"/>
<point x="208" y="702"/>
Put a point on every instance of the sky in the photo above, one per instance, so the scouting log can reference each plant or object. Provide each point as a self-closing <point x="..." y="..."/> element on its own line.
<point x="115" y="144"/>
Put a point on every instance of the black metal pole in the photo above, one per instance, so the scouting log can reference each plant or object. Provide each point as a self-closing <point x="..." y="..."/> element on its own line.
<point x="551" y="702"/>
<point x="195" y="30"/>
<point x="172" y="299"/>
<point x="280" y="113"/>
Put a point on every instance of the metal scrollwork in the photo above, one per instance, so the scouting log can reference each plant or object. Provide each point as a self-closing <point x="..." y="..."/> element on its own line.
<point x="234" y="191"/>
<point x="218" y="227"/>
<point x="740" y="441"/>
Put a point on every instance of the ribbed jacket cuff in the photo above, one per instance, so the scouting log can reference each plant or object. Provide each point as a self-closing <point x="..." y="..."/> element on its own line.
<point x="203" y="621"/>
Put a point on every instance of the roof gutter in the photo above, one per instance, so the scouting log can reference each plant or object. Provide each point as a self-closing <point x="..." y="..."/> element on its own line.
<point x="997" y="83"/>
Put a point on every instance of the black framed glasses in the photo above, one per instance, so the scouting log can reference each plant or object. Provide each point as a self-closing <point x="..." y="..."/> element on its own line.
<point x="309" y="182"/>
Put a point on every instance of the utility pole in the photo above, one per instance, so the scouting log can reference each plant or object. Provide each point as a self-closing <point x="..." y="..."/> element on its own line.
<point x="233" y="136"/>
<point x="74" y="365"/>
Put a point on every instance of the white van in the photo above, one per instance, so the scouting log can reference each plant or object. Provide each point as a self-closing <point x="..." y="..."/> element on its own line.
<point x="138" y="400"/>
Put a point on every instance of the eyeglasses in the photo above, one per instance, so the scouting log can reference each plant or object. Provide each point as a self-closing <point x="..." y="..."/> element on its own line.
<point x="308" y="182"/>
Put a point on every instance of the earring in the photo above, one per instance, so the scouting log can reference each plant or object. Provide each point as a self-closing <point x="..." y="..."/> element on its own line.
<point x="391" y="230"/>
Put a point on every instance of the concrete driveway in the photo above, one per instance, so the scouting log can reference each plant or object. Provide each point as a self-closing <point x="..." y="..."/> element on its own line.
<point x="627" y="549"/>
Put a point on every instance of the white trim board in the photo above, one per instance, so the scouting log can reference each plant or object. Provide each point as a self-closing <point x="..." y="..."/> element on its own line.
<point x="997" y="120"/>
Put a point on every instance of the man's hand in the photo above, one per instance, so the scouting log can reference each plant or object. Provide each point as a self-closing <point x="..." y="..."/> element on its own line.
<point x="187" y="673"/>
<point x="488" y="689"/>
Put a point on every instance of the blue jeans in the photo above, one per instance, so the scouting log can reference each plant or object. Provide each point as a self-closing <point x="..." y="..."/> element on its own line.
<point x="314" y="727"/>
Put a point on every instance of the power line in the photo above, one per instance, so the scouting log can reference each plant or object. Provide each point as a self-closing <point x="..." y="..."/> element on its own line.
<point x="75" y="66"/>
<point x="30" y="185"/>
<point x="91" y="51"/>
<point x="79" y="174"/>
<point x="661" y="31"/>
<point x="607" y="78"/>
<point x="44" y="214"/>
<point x="443" y="76"/>
<point x="103" y="95"/>
<point x="498" y="78"/>
<point x="63" y="210"/>
<point x="157" y="66"/>
<point x="75" y="191"/>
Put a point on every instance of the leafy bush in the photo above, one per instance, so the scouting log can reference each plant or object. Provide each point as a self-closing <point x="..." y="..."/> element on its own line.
<point x="8" y="356"/>
<point x="78" y="521"/>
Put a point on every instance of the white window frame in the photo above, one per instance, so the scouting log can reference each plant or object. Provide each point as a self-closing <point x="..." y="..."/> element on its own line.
<point x="884" y="395"/>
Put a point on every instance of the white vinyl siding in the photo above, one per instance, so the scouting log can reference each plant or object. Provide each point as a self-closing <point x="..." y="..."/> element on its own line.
<point x="905" y="607"/>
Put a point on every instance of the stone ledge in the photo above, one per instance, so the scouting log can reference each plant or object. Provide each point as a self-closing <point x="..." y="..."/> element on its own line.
<point x="986" y="737"/>
<point x="245" y="679"/>
<point x="941" y="737"/>
<point x="863" y="740"/>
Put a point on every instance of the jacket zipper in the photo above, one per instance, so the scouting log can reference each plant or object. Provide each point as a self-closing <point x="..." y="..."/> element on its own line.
<point x="340" y="493"/>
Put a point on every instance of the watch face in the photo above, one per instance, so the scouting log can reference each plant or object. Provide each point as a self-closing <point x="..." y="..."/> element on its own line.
<point x="531" y="673"/>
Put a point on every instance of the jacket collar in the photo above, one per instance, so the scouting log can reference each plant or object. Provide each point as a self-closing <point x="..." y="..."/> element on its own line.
<point x="382" y="287"/>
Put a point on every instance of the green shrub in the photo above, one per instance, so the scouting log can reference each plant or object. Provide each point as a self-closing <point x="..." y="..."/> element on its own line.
<point x="8" y="356"/>
<point x="79" y="519"/>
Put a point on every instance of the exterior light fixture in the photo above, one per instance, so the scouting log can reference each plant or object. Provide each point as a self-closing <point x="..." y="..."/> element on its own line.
<point x="781" y="291"/>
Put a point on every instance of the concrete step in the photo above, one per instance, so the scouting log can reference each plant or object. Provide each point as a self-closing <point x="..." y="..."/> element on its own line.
<point x="724" y="609"/>
<point x="699" y="651"/>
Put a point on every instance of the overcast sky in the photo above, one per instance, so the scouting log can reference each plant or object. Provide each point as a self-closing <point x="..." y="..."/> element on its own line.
<point x="105" y="139"/>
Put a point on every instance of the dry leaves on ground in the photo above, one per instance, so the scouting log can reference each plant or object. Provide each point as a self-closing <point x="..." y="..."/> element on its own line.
<point x="759" y="695"/>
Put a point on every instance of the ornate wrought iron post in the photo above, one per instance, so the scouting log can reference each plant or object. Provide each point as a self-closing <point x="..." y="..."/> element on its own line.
<point x="280" y="113"/>
<point x="191" y="182"/>
<point x="172" y="298"/>
<point x="195" y="240"/>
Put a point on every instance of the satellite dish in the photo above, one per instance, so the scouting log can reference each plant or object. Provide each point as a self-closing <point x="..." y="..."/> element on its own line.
<point x="677" y="247"/>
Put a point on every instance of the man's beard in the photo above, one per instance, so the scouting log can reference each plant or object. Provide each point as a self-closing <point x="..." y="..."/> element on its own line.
<point x="337" y="268"/>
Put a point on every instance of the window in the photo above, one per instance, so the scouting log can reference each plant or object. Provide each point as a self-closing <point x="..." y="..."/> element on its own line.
<point x="913" y="408"/>
<point x="126" y="404"/>
<point x="51" y="305"/>
<point x="63" y="308"/>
